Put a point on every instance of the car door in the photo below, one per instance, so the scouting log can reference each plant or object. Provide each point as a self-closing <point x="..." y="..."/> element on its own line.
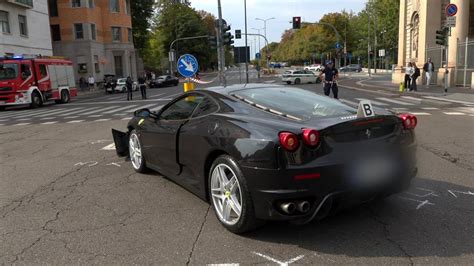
<point x="160" y="136"/>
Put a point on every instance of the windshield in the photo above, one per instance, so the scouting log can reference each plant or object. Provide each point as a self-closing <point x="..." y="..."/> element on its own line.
<point x="8" y="71"/>
<point x="299" y="103"/>
<point x="121" y="80"/>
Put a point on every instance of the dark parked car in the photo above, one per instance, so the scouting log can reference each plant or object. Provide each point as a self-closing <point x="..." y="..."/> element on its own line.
<point x="255" y="157"/>
<point x="351" y="68"/>
<point x="164" y="81"/>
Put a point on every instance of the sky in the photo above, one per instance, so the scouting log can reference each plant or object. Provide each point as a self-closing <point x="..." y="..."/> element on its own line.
<point x="282" y="10"/>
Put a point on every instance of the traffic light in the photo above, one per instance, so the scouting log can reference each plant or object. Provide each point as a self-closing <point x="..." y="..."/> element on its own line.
<point x="238" y="34"/>
<point x="296" y="23"/>
<point x="212" y="41"/>
<point x="441" y="36"/>
<point x="226" y="35"/>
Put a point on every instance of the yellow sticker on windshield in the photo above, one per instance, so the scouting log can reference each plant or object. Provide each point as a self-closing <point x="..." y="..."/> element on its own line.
<point x="141" y="121"/>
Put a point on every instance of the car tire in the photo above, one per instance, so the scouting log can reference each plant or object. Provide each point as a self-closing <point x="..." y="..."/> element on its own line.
<point x="65" y="98"/>
<point x="288" y="82"/>
<point x="36" y="100"/>
<point x="297" y="81"/>
<point x="134" y="146"/>
<point x="247" y="220"/>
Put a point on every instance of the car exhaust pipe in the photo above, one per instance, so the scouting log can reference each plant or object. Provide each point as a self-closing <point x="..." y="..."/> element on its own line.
<point x="303" y="206"/>
<point x="288" y="207"/>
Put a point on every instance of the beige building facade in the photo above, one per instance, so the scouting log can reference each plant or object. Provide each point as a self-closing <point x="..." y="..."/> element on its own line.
<point x="418" y="23"/>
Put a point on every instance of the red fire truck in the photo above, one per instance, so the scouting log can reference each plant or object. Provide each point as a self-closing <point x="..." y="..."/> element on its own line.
<point x="33" y="81"/>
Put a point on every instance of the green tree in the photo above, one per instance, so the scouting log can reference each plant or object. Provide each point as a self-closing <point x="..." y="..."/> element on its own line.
<point x="142" y="12"/>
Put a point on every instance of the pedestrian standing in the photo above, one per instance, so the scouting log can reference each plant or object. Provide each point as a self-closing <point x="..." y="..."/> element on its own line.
<point x="129" y="84"/>
<point x="429" y="69"/>
<point x="408" y="74"/>
<point x="414" y="76"/>
<point x="142" y="85"/>
<point x="82" y="84"/>
<point x="330" y="77"/>
<point x="91" y="82"/>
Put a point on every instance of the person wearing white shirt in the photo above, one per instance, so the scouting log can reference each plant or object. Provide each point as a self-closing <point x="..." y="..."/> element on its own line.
<point x="408" y="73"/>
<point x="429" y="69"/>
<point x="91" y="82"/>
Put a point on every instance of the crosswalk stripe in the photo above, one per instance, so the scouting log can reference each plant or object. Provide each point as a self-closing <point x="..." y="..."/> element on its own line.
<point x="393" y="101"/>
<point x="419" y="113"/>
<point x="372" y="101"/>
<point x="31" y="113"/>
<point x="139" y="107"/>
<point x="101" y="120"/>
<point x="71" y="117"/>
<point x="126" y="118"/>
<point x="447" y="100"/>
<point x="94" y="115"/>
<point x="22" y="124"/>
<point x="349" y="102"/>
<point x="157" y="108"/>
<point x="156" y="95"/>
<point x="74" y="121"/>
<point x="56" y="113"/>
<point x="429" y="108"/>
<point x="80" y="111"/>
<point x="99" y="110"/>
<point x="49" y="123"/>
<point x="119" y="109"/>
<point x="410" y="98"/>
<point x="453" y="113"/>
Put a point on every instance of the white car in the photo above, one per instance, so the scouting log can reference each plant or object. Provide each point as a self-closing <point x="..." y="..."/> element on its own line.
<point x="299" y="76"/>
<point x="314" y="68"/>
<point x="122" y="85"/>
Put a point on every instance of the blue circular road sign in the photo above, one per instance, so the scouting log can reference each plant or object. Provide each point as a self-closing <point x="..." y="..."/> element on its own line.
<point x="187" y="65"/>
<point x="451" y="10"/>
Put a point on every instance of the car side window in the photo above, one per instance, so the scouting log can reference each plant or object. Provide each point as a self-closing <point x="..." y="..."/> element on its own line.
<point x="207" y="106"/>
<point x="181" y="109"/>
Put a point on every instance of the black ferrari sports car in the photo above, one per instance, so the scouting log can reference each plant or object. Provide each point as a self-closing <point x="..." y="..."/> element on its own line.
<point x="261" y="152"/>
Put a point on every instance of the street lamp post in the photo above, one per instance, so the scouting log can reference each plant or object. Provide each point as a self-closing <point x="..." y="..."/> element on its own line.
<point x="265" y="26"/>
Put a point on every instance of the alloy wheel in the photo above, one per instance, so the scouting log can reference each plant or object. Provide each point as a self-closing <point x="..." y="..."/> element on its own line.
<point x="135" y="151"/>
<point x="226" y="194"/>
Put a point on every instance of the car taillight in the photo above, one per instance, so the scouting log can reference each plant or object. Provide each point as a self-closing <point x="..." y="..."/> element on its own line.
<point x="289" y="141"/>
<point x="409" y="121"/>
<point x="310" y="137"/>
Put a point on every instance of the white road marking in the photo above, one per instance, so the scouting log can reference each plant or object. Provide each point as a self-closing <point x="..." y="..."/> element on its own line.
<point x="126" y="118"/>
<point x="421" y="203"/>
<point x="100" y="141"/>
<point x="429" y="108"/>
<point x="95" y="116"/>
<point x="452" y="192"/>
<point x="116" y="164"/>
<point x="447" y="100"/>
<point x="47" y="118"/>
<point x="102" y="120"/>
<point x="157" y="108"/>
<point x="91" y="163"/>
<point x="400" y="108"/>
<point x="49" y="123"/>
<point x="157" y="95"/>
<point x="77" y="112"/>
<point x="393" y="101"/>
<point x="372" y="101"/>
<point x="138" y="108"/>
<point x="100" y="110"/>
<point x="109" y="147"/>
<point x="3" y="120"/>
<point x="119" y="114"/>
<point x="281" y="263"/>
<point x="24" y="119"/>
<point x="22" y="124"/>
<point x="120" y="109"/>
<point x="74" y="121"/>
<point x="55" y="112"/>
<point x="410" y="98"/>
<point x="349" y="102"/>
<point x="419" y="113"/>
<point x="453" y="113"/>
<point x="71" y="117"/>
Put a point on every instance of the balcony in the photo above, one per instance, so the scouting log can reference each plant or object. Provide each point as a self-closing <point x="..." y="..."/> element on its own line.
<point x="23" y="3"/>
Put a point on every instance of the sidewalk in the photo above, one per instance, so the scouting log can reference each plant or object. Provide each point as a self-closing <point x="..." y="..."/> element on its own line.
<point x="454" y="93"/>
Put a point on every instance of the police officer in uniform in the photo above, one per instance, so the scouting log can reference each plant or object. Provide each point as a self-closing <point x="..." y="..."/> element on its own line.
<point x="330" y="77"/>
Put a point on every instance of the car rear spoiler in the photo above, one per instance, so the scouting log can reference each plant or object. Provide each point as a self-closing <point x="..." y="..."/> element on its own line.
<point x="121" y="142"/>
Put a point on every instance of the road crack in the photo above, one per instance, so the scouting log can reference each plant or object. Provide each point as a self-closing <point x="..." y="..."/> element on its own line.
<point x="198" y="235"/>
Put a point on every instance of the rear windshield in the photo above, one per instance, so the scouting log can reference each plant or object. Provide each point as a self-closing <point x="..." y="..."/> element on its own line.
<point x="8" y="71"/>
<point x="299" y="103"/>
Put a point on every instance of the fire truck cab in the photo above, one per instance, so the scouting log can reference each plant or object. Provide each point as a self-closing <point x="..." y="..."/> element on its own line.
<point x="33" y="81"/>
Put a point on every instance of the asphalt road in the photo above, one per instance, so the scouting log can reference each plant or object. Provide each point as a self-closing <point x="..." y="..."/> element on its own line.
<point x="65" y="198"/>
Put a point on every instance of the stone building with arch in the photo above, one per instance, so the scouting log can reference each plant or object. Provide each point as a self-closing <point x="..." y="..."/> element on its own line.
<point x="418" y="22"/>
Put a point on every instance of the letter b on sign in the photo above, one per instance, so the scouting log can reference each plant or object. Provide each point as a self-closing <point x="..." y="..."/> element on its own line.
<point x="365" y="109"/>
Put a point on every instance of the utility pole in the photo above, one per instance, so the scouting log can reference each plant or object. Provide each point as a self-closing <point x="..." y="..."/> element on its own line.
<point x="345" y="44"/>
<point x="220" y="46"/>
<point x="368" y="44"/>
<point x="246" y="45"/>
<point x="375" y="43"/>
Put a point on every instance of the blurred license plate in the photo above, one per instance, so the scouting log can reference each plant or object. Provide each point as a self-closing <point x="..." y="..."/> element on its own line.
<point x="372" y="171"/>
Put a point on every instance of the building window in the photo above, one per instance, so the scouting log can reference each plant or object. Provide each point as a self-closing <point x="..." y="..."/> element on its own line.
<point x="53" y="8"/>
<point x="91" y="3"/>
<point x="116" y="34"/>
<point x="43" y="72"/>
<point x="93" y="32"/>
<point x="76" y="3"/>
<point x="96" y="64"/>
<point x="114" y="5"/>
<point x="82" y="68"/>
<point x="56" y="32"/>
<point x="127" y="7"/>
<point x="79" y="31"/>
<point x="130" y="35"/>
<point x="118" y="66"/>
<point x="4" y="21"/>
<point x="23" y="25"/>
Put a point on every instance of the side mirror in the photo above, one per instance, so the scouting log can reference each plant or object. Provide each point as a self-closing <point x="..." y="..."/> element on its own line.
<point x="145" y="113"/>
